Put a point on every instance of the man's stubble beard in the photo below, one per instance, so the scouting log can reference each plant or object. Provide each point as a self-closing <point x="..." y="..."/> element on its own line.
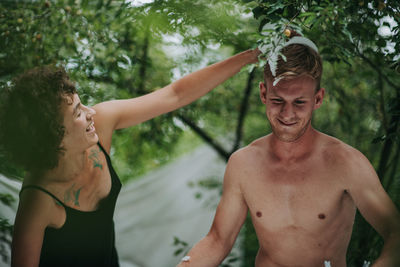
<point x="293" y="136"/>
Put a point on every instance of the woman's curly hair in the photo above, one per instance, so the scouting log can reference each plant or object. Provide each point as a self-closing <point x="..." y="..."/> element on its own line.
<point x="31" y="118"/>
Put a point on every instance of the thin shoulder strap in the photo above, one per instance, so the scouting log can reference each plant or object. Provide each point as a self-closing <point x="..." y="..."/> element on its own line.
<point x="105" y="153"/>
<point x="102" y="148"/>
<point x="43" y="190"/>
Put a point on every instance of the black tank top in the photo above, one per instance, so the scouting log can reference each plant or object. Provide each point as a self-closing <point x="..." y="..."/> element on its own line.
<point x="86" y="238"/>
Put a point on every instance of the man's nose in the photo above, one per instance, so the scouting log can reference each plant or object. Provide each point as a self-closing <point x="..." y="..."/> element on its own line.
<point x="287" y="112"/>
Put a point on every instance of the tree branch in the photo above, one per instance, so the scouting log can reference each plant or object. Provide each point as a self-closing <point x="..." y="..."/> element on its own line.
<point x="220" y="150"/>
<point x="382" y="99"/>
<point x="377" y="69"/>
<point x="243" y="110"/>
<point x="388" y="145"/>
<point x="389" y="181"/>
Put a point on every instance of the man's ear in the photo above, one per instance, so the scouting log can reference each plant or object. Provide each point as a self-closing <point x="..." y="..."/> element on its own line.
<point x="263" y="92"/>
<point x="319" y="97"/>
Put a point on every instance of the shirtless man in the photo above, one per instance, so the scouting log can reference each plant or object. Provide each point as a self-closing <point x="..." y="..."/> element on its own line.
<point x="301" y="187"/>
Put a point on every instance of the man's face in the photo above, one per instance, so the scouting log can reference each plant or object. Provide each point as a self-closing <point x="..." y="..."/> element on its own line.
<point x="289" y="106"/>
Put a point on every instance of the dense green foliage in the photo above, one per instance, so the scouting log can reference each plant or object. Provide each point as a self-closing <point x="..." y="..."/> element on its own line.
<point x="114" y="49"/>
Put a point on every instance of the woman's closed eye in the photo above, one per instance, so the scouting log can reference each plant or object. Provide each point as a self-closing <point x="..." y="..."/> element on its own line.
<point x="79" y="113"/>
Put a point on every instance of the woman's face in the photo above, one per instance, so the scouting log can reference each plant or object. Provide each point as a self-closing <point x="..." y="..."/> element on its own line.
<point x="80" y="133"/>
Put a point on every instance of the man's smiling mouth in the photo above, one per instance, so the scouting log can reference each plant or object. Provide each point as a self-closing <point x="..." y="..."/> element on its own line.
<point x="286" y="123"/>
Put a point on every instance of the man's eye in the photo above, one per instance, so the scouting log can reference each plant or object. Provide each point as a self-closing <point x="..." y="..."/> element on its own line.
<point x="277" y="101"/>
<point x="299" y="102"/>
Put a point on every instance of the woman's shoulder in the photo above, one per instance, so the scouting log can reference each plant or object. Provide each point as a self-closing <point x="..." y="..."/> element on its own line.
<point x="38" y="205"/>
<point x="36" y="212"/>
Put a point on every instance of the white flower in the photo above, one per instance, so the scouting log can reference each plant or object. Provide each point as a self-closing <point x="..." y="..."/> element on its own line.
<point x="185" y="259"/>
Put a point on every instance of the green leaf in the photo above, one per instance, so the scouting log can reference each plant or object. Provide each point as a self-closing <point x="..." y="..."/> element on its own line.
<point x="263" y="22"/>
<point x="310" y="20"/>
<point x="307" y="14"/>
<point x="178" y="251"/>
<point x="385" y="23"/>
<point x="7" y="199"/>
<point x="381" y="42"/>
<point x="274" y="7"/>
<point x="234" y="259"/>
<point x="258" y="12"/>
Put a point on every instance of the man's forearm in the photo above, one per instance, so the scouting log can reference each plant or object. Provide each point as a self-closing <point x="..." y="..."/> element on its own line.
<point x="207" y="252"/>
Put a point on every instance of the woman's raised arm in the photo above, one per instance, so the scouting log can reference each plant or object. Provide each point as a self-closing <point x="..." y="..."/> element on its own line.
<point x="117" y="114"/>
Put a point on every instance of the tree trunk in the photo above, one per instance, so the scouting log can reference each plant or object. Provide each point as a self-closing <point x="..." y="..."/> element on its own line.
<point x="239" y="129"/>
<point x="203" y="135"/>
<point x="243" y="110"/>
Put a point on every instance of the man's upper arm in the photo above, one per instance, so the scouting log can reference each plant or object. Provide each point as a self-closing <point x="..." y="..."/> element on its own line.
<point x="371" y="199"/>
<point x="232" y="209"/>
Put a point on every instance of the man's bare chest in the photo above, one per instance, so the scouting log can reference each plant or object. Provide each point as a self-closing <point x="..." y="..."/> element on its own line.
<point x="308" y="198"/>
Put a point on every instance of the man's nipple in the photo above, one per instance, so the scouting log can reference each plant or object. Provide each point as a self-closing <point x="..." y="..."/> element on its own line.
<point x="258" y="213"/>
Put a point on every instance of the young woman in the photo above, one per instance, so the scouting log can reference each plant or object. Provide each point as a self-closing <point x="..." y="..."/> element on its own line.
<point x="65" y="213"/>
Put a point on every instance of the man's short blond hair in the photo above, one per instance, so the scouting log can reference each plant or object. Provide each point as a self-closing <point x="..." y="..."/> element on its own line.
<point x="300" y="60"/>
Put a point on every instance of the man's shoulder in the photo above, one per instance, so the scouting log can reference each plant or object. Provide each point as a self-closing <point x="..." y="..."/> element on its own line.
<point x="255" y="148"/>
<point x="248" y="157"/>
<point x="339" y="152"/>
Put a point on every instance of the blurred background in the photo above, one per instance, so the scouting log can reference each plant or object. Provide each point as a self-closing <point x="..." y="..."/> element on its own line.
<point x="172" y="166"/>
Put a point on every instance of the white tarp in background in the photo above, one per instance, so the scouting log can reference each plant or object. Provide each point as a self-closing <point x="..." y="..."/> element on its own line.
<point x="154" y="209"/>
